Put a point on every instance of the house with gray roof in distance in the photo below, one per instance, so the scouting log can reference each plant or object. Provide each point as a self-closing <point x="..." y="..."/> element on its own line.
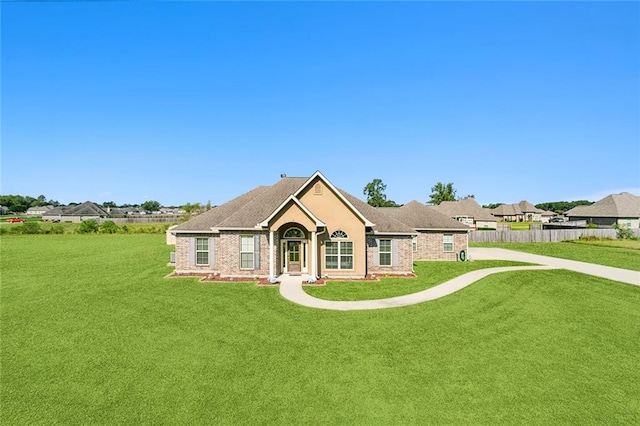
<point x="523" y="211"/>
<point x="38" y="211"/>
<point x="622" y="209"/>
<point x="469" y="212"/>
<point x="306" y="225"/>
<point x="80" y="212"/>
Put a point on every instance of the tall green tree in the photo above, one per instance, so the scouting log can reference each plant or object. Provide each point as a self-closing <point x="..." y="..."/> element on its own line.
<point x="376" y="197"/>
<point x="150" y="206"/>
<point x="492" y="205"/>
<point x="442" y="192"/>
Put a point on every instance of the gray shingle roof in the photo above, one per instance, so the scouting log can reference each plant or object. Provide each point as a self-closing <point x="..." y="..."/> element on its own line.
<point x="253" y="207"/>
<point x="515" y="209"/>
<point x="624" y="205"/>
<point x="506" y="210"/>
<point x="383" y="222"/>
<point x="85" y="209"/>
<point x="527" y="207"/>
<point x="419" y="216"/>
<point x="466" y="207"/>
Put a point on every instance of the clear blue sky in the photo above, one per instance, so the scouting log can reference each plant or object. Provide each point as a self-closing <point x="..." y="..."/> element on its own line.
<point x="194" y="101"/>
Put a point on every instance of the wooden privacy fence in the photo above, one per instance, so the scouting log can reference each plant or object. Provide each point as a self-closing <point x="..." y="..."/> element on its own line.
<point x="538" y="236"/>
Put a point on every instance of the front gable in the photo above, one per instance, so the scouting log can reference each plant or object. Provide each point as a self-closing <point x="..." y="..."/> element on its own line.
<point x="321" y="189"/>
<point x="293" y="211"/>
<point x="331" y="207"/>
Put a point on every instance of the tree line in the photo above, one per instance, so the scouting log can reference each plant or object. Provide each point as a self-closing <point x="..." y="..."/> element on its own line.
<point x="375" y="193"/>
<point x="376" y="197"/>
<point x="20" y="203"/>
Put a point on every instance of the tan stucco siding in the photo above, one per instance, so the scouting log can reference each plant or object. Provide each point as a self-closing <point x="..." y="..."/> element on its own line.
<point x="292" y="213"/>
<point x="335" y="214"/>
<point x="431" y="246"/>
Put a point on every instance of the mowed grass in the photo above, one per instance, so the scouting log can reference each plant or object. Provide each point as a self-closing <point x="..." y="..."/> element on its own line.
<point x="429" y="274"/>
<point x="93" y="334"/>
<point x="633" y="244"/>
<point x="617" y="256"/>
<point x="519" y="226"/>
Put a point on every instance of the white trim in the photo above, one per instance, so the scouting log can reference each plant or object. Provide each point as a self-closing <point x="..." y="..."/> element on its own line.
<point x="444" y="243"/>
<point x="339" y="255"/>
<point x="239" y="228"/>
<point x="208" y="251"/>
<point x="459" y="230"/>
<point x="265" y="223"/>
<point x="271" y="257"/>
<point x="285" y="255"/>
<point x="337" y="192"/>
<point x="394" y="233"/>
<point x="390" y="252"/>
<point x="175" y="232"/>
<point x="284" y="237"/>
<point x="253" y="249"/>
<point x="314" y="256"/>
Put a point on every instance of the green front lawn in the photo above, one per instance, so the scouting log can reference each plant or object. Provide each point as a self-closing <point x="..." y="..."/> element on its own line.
<point x="92" y="333"/>
<point x="617" y="256"/>
<point x="429" y="274"/>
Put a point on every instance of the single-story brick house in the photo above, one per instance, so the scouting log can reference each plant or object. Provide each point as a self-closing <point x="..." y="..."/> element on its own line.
<point x="307" y="225"/>
<point x="523" y="211"/>
<point x="38" y="211"/>
<point x="81" y="212"/>
<point x="622" y="209"/>
<point x="469" y="212"/>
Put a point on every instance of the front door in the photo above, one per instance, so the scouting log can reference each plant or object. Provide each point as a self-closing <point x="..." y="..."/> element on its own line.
<point x="293" y="254"/>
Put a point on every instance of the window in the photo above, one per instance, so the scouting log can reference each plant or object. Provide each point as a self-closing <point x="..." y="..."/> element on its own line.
<point x="202" y="251"/>
<point x="447" y="241"/>
<point x="338" y="255"/>
<point x="385" y="252"/>
<point x="246" y="252"/>
<point x="293" y="233"/>
<point x="339" y="234"/>
<point x="414" y="243"/>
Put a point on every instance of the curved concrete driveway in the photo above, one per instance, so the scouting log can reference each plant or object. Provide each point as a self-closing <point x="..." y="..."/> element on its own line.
<point x="291" y="287"/>
<point x="609" y="272"/>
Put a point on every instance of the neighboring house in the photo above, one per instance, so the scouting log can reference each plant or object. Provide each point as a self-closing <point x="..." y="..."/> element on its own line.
<point x="523" y="211"/>
<point x="4" y="209"/>
<point x="38" y="211"/>
<point x="547" y="215"/>
<point x="304" y="225"/>
<point x="469" y="212"/>
<point x="84" y="211"/>
<point x="130" y="211"/>
<point x="622" y="209"/>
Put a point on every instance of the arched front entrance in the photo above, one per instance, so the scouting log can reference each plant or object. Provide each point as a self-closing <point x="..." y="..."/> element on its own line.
<point x="294" y="249"/>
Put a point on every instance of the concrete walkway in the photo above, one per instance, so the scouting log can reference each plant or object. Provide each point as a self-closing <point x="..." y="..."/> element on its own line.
<point x="291" y="287"/>
<point x="609" y="272"/>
